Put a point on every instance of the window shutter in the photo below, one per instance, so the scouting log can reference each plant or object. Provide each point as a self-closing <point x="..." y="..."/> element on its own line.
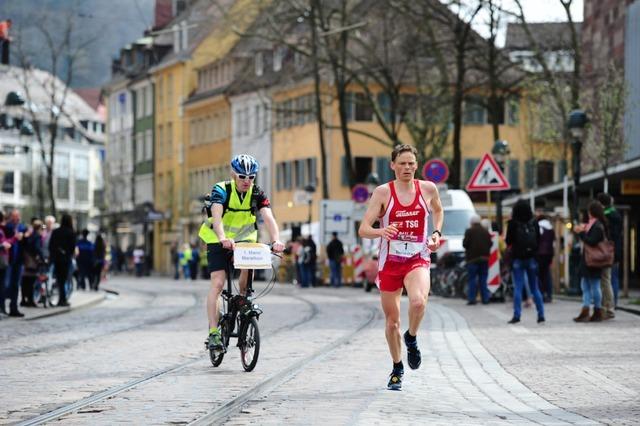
<point x="385" y="174"/>
<point x="384" y="103"/>
<point x="470" y="165"/>
<point x="300" y="177"/>
<point x="287" y="175"/>
<point x="349" y="106"/>
<point x="562" y="170"/>
<point x="529" y="173"/>
<point x="313" y="172"/>
<point x="514" y="174"/>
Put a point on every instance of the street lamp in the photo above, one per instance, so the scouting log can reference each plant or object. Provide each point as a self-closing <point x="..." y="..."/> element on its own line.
<point x="372" y="182"/>
<point x="577" y="122"/>
<point x="500" y="152"/>
<point x="310" y="189"/>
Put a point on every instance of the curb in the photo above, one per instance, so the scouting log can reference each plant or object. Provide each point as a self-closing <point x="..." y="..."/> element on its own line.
<point x="86" y="304"/>
<point x="632" y="310"/>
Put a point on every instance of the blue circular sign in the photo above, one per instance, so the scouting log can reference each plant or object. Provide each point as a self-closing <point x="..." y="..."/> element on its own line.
<point x="435" y="171"/>
<point x="360" y="193"/>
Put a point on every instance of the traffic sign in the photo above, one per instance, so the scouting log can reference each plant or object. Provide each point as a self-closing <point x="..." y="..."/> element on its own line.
<point x="488" y="176"/>
<point x="360" y="193"/>
<point x="435" y="171"/>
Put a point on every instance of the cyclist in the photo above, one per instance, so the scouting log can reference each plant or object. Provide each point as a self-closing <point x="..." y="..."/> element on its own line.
<point x="402" y="207"/>
<point x="234" y="205"/>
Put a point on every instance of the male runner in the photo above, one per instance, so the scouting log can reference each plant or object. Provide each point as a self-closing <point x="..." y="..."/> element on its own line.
<point x="402" y="207"/>
<point x="234" y="205"/>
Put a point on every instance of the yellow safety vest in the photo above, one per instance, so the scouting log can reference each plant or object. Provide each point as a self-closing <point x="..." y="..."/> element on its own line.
<point x="238" y="219"/>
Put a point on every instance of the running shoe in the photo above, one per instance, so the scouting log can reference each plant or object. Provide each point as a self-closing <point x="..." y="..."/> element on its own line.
<point x="395" y="380"/>
<point x="413" y="353"/>
<point x="215" y="342"/>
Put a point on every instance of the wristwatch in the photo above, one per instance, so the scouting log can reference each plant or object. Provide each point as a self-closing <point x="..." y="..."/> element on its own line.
<point x="439" y="233"/>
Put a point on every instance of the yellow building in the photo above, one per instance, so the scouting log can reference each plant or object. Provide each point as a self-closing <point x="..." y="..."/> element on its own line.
<point x="296" y="152"/>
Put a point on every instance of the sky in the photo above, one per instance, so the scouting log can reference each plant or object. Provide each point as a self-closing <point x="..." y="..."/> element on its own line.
<point x="536" y="11"/>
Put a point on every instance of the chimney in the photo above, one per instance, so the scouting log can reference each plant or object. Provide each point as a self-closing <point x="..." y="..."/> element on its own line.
<point x="163" y="13"/>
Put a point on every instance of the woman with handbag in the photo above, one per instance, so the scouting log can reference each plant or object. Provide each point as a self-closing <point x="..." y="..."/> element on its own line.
<point x="594" y="236"/>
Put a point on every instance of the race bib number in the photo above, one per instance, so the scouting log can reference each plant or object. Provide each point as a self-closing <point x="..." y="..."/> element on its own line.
<point x="405" y="248"/>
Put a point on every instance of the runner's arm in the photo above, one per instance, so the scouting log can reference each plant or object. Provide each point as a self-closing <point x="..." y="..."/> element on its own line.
<point x="436" y="213"/>
<point x="376" y="205"/>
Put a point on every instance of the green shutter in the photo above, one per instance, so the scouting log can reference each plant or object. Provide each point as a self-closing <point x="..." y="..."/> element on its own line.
<point x="384" y="104"/>
<point x="514" y="174"/>
<point x="562" y="170"/>
<point x="344" y="172"/>
<point x="529" y="173"/>
<point x="385" y="174"/>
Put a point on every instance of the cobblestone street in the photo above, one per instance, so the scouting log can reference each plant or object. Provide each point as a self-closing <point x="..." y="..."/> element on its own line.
<point x="139" y="358"/>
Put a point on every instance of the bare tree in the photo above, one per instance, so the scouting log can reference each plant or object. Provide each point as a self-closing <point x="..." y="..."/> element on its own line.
<point x="63" y="53"/>
<point x="606" y="143"/>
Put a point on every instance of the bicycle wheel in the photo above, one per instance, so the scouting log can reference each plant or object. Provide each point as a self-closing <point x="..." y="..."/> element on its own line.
<point x="215" y="356"/>
<point x="250" y="344"/>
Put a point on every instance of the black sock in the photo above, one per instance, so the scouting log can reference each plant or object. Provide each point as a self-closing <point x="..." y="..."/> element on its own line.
<point x="398" y="366"/>
<point x="409" y="339"/>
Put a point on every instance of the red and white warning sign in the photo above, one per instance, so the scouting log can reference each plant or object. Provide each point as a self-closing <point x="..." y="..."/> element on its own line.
<point x="487" y="176"/>
<point x="493" y="278"/>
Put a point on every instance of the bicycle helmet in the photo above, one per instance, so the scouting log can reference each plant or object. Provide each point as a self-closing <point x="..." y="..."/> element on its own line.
<point x="245" y="164"/>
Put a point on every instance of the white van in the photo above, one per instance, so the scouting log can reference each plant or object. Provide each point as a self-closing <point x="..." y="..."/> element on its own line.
<point x="458" y="210"/>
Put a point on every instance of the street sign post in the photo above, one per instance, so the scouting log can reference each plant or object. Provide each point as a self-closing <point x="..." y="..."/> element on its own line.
<point x="488" y="176"/>
<point x="435" y="171"/>
<point x="360" y="193"/>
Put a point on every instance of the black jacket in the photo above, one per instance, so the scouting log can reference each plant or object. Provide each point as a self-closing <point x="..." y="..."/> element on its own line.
<point x="335" y="250"/>
<point x="62" y="244"/>
<point x="615" y="231"/>
<point x="477" y="244"/>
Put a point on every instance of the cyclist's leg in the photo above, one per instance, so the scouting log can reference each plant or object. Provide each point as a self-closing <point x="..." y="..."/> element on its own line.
<point x="217" y="284"/>
<point x="242" y="281"/>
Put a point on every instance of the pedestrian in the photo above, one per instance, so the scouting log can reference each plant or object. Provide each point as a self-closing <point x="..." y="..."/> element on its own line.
<point x="61" y="248"/>
<point x="14" y="231"/>
<point x="138" y="261"/>
<point x="611" y="276"/>
<point x="402" y="207"/>
<point x="591" y="234"/>
<point x="100" y="255"/>
<point x="523" y="236"/>
<point x="477" y="245"/>
<point x="544" y="256"/>
<point x="5" y="247"/>
<point x="185" y="260"/>
<point x="297" y="247"/>
<point x="195" y="262"/>
<point x="33" y="257"/>
<point x="310" y="259"/>
<point x="175" y="260"/>
<point x="85" y="259"/>
<point x="335" y="252"/>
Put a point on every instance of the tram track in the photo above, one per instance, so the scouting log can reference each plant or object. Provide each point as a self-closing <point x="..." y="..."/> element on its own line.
<point x="147" y="323"/>
<point x="97" y="397"/>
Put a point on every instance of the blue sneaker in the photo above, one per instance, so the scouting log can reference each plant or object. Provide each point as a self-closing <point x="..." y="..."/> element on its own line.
<point x="395" y="380"/>
<point x="414" y="357"/>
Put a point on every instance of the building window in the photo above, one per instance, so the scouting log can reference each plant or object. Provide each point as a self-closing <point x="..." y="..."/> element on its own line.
<point x="474" y="111"/>
<point x="26" y="184"/>
<point x="62" y="176"/>
<point x="544" y="172"/>
<point x="278" y="58"/>
<point x="513" y="109"/>
<point x="7" y="182"/>
<point x="363" y="110"/>
<point x="259" y="63"/>
<point x="148" y="151"/>
<point x="81" y="174"/>
<point x="139" y="147"/>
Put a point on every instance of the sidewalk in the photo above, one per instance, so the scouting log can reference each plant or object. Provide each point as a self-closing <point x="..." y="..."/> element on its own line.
<point x="624" y="304"/>
<point x="79" y="299"/>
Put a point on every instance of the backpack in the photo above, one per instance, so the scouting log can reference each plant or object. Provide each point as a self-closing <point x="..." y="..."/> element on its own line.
<point x="526" y="240"/>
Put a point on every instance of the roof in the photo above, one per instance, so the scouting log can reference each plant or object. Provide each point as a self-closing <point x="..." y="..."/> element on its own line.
<point x="91" y="95"/>
<point x="39" y="82"/>
<point x="549" y="35"/>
